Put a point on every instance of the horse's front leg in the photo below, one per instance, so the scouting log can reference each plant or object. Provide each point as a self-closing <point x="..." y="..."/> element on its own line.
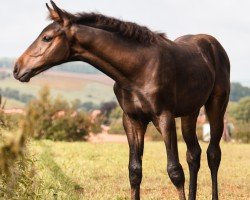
<point x="165" y="123"/>
<point x="135" y="130"/>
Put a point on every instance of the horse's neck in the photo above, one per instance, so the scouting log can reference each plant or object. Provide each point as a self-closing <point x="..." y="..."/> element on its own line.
<point x="116" y="57"/>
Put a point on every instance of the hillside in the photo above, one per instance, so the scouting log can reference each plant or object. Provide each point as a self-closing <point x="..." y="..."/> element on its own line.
<point x="94" y="88"/>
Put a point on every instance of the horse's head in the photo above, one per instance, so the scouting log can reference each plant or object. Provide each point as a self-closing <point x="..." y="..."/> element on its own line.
<point x="52" y="47"/>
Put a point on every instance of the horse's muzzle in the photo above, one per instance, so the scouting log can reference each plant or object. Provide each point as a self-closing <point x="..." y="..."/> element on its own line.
<point x="21" y="75"/>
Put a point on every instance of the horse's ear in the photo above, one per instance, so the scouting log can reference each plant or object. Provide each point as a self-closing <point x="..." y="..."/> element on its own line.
<point x="58" y="15"/>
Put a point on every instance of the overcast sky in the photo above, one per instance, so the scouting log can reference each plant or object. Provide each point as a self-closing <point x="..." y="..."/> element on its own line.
<point x="228" y="20"/>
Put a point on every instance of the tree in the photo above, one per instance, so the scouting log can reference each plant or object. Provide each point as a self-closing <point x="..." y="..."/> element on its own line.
<point x="88" y="106"/>
<point x="116" y="113"/>
<point x="38" y="117"/>
<point x="238" y="91"/>
<point x="242" y="110"/>
<point x="55" y="119"/>
<point x="76" y="104"/>
<point x="107" y="107"/>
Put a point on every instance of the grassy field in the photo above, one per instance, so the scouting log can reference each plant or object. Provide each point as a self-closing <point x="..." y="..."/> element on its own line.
<point x="83" y="170"/>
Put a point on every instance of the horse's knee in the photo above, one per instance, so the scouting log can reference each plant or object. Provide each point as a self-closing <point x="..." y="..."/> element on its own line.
<point x="135" y="174"/>
<point x="176" y="175"/>
<point x="193" y="158"/>
<point x="213" y="156"/>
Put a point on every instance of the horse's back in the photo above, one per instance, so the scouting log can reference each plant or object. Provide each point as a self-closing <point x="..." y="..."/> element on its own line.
<point x="203" y="69"/>
<point x="209" y="46"/>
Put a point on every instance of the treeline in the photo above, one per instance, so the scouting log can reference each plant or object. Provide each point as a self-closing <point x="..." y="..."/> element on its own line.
<point x="15" y="94"/>
<point x="77" y="67"/>
<point x="238" y="91"/>
<point x="239" y="115"/>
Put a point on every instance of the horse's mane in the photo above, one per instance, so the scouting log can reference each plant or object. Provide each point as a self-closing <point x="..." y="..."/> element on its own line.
<point x="128" y="30"/>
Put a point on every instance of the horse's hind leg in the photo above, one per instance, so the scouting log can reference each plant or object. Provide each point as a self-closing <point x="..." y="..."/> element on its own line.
<point x="215" y="109"/>
<point x="188" y="126"/>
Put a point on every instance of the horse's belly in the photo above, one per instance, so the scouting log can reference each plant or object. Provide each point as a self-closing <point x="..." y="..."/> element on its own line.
<point x="187" y="108"/>
<point x="192" y="97"/>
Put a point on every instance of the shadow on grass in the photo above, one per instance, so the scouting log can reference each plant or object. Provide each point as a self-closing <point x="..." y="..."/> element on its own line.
<point x="67" y="184"/>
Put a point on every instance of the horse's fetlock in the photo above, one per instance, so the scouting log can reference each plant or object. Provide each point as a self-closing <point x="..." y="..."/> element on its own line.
<point x="135" y="174"/>
<point x="193" y="158"/>
<point x="213" y="153"/>
<point x="176" y="175"/>
<point x="214" y="157"/>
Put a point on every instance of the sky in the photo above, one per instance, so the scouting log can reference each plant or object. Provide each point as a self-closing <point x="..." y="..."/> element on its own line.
<point x="227" y="20"/>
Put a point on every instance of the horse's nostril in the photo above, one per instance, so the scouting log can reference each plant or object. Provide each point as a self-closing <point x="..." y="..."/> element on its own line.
<point x="16" y="70"/>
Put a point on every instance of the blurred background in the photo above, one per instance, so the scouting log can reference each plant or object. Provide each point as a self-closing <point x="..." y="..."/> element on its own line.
<point x="22" y="21"/>
<point x="75" y="101"/>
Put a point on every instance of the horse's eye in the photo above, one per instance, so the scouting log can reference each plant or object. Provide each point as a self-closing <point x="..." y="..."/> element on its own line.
<point x="47" y="38"/>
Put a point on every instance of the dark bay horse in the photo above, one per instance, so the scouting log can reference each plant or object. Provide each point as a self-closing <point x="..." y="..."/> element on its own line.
<point x="156" y="80"/>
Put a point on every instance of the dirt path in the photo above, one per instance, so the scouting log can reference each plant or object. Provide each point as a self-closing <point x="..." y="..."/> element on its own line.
<point x="104" y="137"/>
<point x="112" y="138"/>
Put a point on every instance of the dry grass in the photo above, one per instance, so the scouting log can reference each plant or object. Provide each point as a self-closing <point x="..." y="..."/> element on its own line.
<point x="17" y="172"/>
<point x="99" y="171"/>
